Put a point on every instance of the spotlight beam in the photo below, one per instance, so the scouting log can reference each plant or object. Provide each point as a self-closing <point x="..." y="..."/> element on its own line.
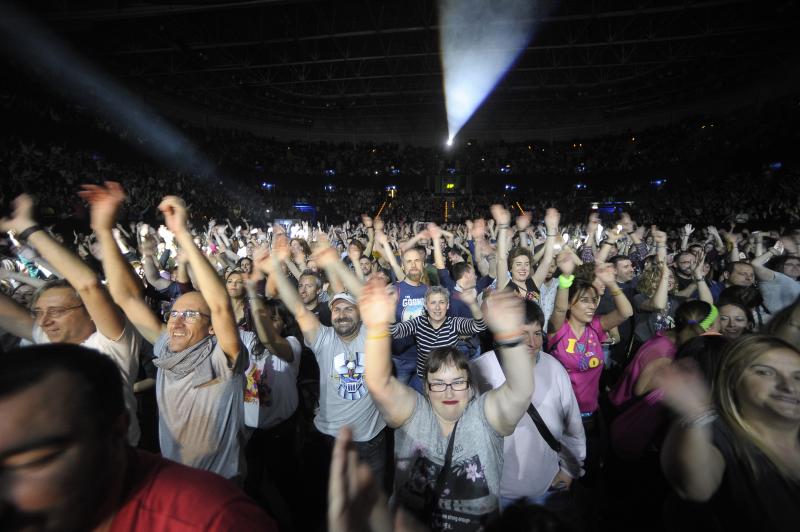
<point x="27" y="40"/>
<point x="479" y="41"/>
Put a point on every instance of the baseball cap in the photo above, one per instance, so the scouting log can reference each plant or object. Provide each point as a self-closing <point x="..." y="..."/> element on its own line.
<point x="343" y="295"/>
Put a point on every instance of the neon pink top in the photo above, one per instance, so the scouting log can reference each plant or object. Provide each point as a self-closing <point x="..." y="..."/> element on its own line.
<point x="659" y="346"/>
<point x="583" y="359"/>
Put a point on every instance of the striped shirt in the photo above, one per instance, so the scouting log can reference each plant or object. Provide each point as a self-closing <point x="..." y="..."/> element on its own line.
<point x="428" y="338"/>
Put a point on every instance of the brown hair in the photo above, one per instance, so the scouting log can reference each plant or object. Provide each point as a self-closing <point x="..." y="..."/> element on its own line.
<point x="735" y="360"/>
<point x="447" y="356"/>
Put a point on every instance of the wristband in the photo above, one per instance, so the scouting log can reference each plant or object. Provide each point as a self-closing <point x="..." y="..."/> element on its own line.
<point x="615" y="293"/>
<point x="502" y="226"/>
<point x="565" y="282"/>
<point x="700" y="420"/>
<point x="507" y="344"/>
<point x="23" y="236"/>
<point x="378" y="336"/>
<point x="509" y="336"/>
<point x="552" y="234"/>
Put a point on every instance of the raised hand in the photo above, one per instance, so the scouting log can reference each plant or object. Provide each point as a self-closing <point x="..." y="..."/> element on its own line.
<point x="659" y="237"/>
<point x="524" y="221"/>
<point x="551" y="219"/>
<point x="434" y="231"/>
<point x="605" y="273"/>
<point x="379" y="225"/>
<point x="366" y="220"/>
<point x="21" y="215"/>
<point x="104" y="202"/>
<point x="612" y="235"/>
<point x="565" y="263"/>
<point x="500" y="214"/>
<point x="685" y="389"/>
<point x="478" y="229"/>
<point x="688" y="230"/>
<point x="700" y="265"/>
<point x="376" y="305"/>
<point x="175" y="216"/>
<point x="505" y="312"/>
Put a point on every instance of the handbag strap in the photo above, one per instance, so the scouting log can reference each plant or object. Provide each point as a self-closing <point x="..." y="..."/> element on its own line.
<point x="543" y="430"/>
<point x="441" y="478"/>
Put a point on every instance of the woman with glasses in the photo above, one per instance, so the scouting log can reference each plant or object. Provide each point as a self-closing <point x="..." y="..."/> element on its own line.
<point x="449" y="440"/>
<point x="577" y="340"/>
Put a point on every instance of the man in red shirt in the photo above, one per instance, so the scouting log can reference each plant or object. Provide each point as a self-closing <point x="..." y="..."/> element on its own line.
<point x="65" y="464"/>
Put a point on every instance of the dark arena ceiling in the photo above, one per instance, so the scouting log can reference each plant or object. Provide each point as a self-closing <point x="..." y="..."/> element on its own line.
<point x="371" y="68"/>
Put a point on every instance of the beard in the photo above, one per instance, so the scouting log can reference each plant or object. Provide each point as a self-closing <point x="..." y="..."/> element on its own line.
<point x="415" y="276"/>
<point x="345" y="327"/>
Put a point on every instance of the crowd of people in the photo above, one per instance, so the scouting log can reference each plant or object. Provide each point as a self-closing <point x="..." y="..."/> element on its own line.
<point x="587" y="348"/>
<point x="502" y="369"/>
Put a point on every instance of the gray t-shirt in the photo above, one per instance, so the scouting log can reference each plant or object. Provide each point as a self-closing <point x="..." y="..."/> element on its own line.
<point x="472" y="485"/>
<point x="202" y="426"/>
<point x="343" y="396"/>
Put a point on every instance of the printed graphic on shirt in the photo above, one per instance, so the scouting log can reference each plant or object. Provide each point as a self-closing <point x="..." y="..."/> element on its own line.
<point x="349" y="371"/>
<point x="257" y="390"/>
<point x="412" y="307"/>
<point x="586" y="352"/>
<point x="465" y="500"/>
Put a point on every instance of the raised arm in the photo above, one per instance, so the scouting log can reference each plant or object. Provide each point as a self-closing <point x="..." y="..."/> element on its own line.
<point x="95" y="297"/>
<point x="388" y="254"/>
<point x="270" y="264"/>
<point x="551" y="220"/>
<point x="15" y="319"/>
<point x="436" y="236"/>
<point x="559" y="315"/>
<point x="660" y="298"/>
<point x="690" y="461"/>
<point x="395" y="400"/>
<point x="265" y="329"/>
<point x="151" y="272"/>
<point x="759" y="263"/>
<point x="506" y="405"/>
<point x="123" y="284"/>
<point x="612" y="235"/>
<point x="502" y="218"/>
<point x="328" y="259"/>
<point x="623" y="309"/>
<point x="703" y="291"/>
<point x="211" y="287"/>
<point x="367" y="221"/>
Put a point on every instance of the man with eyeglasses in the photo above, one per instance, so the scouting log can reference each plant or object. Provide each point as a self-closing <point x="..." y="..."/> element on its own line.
<point x="199" y="354"/>
<point x="75" y="310"/>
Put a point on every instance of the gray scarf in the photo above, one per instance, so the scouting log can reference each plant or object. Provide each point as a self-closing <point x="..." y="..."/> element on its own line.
<point x="195" y="359"/>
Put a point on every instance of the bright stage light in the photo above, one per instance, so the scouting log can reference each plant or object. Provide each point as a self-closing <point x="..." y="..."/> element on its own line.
<point x="28" y="41"/>
<point x="479" y="41"/>
<point x="449" y="142"/>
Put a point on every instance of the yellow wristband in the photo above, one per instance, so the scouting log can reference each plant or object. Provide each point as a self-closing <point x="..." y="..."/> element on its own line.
<point x="378" y="336"/>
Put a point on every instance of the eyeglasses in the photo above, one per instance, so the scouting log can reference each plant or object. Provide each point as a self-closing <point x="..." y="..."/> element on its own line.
<point x="457" y="386"/>
<point x="189" y="316"/>
<point x="52" y="312"/>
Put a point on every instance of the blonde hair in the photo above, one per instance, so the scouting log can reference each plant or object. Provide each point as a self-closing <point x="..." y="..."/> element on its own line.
<point x="735" y="360"/>
<point x="649" y="280"/>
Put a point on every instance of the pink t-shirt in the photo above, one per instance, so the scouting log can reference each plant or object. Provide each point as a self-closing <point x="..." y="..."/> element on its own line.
<point x="659" y="346"/>
<point x="583" y="359"/>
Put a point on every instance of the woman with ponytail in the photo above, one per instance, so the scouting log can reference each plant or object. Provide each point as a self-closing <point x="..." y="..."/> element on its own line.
<point x="635" y="396"/>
